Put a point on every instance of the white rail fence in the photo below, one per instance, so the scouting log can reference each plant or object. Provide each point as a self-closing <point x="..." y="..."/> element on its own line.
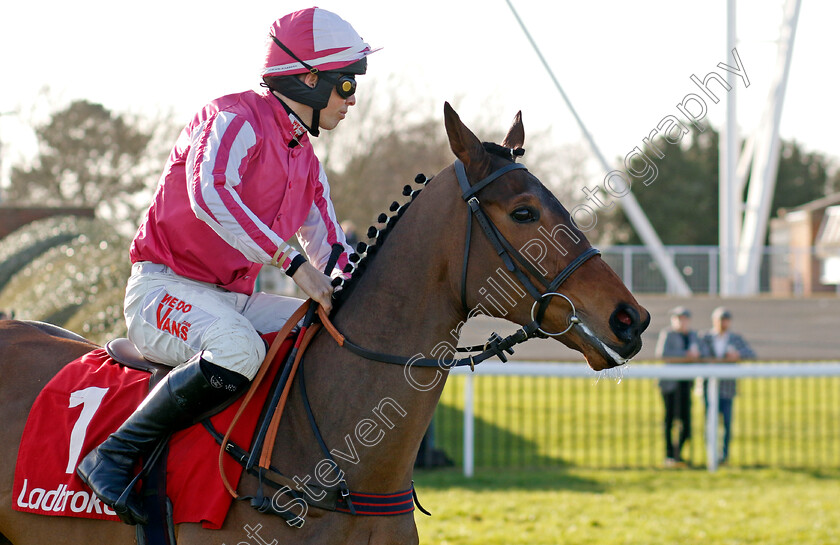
<point x="712" y="372"/>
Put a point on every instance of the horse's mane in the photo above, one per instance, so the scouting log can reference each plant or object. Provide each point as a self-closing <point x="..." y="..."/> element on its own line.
<point x="378" y="234"/>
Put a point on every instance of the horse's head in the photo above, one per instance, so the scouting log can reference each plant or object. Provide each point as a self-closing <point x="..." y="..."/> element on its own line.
<point x="516" y="218"/>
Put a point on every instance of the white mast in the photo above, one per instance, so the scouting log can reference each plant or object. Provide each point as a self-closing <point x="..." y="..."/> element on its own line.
<point x="675" y="281"/>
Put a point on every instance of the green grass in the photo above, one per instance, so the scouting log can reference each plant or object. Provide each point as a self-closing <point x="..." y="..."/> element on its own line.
<point x="529" y="422"/>
<point x="644" y="507"/>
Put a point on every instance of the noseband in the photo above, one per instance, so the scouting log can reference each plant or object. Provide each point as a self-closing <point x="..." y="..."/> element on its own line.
<point x="496" y="345"/>
<point x="510" y="256"/>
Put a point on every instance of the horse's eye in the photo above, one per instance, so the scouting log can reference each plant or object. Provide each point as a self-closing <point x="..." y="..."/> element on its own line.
<point x="525" y="214"/>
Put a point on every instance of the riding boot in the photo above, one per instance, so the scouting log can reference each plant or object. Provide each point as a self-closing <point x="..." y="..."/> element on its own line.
<point x="190" y="392"/>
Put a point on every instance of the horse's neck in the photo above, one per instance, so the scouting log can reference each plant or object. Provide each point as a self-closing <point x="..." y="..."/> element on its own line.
<point x="403" y="305"/>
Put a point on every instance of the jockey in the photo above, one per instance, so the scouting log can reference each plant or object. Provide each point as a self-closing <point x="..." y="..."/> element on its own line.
<point x="241" y="180"/>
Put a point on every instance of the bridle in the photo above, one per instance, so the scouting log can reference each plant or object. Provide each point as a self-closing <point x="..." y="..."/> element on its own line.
<point x="511" y="256"/>
<point x="514" y="262"/>
<point x="340" y="497"/>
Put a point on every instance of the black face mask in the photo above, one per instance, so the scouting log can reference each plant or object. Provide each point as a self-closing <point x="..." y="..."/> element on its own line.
<point x="293" y="87"/>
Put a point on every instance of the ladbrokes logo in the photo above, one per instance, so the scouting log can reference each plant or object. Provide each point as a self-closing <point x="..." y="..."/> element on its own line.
<point x="60" y="500"/>
<point x="167" y="321"/>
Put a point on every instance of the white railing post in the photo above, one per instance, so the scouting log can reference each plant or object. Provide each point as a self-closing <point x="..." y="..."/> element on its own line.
<point x="713" y="395"/>
<point x="713" y="270"/>
<point x="627" y="266"/>
<point x="469" y="430"/>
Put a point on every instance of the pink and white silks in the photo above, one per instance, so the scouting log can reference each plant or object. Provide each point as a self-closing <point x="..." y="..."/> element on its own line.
<point x="233" y="194"/>
<point x="231" y="197"/>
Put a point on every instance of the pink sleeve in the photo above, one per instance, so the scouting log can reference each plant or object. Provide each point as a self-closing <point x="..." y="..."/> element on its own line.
<point x="218" y="149"/>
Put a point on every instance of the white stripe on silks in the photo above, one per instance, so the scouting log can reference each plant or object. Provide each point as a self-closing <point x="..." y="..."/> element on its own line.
<point x="322" y="177"/>
<point x="313" y="235"/>
<point x="353" y="54"/>
<point x="224" y="224"/>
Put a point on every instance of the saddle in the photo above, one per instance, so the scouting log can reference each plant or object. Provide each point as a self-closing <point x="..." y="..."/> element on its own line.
<point x="88" y="399"/>
<point x="277" y="365"/>
<point x="124" y="352"/>
<point x="200" y="488"/>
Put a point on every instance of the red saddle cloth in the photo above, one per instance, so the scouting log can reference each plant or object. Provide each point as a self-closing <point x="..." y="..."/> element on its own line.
<point x="86" y="401"/>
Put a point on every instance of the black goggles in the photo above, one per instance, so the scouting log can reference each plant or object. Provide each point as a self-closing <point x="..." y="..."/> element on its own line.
<point x="345" y="84"/>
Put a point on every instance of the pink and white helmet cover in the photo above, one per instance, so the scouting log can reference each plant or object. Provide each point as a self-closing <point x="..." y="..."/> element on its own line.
<point x="318" y="37"/>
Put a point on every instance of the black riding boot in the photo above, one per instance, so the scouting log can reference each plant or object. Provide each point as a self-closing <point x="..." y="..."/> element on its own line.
<point x="189" y="392"/>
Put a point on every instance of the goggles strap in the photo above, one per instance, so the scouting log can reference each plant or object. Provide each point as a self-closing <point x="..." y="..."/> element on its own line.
<point x="311" y="69"/>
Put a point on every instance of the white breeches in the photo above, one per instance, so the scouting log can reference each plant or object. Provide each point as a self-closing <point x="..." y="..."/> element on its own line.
<point x="171" y="318"/>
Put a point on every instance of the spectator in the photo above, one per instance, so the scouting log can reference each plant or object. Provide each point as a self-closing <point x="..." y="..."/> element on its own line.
<point x="722" y="346"/>
<point x="677" y="344"/>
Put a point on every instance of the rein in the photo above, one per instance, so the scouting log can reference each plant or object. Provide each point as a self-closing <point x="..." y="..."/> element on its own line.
<point x="496" y="345"/>
<point x="339" y="497"/>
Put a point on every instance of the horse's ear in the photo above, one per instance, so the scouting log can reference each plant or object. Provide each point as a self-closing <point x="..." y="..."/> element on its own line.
<point x="516" y="135"/>
<point x="465" y="145"/>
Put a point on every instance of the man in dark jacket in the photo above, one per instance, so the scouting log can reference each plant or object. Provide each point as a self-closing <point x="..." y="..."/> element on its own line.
<point x="677" y="344"/>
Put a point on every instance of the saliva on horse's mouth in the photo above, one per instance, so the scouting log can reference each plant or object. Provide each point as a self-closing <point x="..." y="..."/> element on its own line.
<point x="610" y="354"/>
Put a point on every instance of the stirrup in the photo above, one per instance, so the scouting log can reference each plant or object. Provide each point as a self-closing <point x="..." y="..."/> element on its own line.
<point x="126" y="514"/>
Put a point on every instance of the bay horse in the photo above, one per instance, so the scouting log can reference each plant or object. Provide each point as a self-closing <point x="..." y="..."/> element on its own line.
<point x="411" y="299"/>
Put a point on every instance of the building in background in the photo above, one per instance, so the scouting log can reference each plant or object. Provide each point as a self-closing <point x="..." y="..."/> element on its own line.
<point x="827" y="247"/>
<point x="805" y="248"/>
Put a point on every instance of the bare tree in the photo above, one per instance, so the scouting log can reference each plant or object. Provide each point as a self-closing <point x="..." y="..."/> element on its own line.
<point x="387" y="141"/>
<point x="89" y="156"/>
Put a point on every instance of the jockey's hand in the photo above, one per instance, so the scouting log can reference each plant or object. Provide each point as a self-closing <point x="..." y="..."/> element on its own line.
<point x="315" y="284"/>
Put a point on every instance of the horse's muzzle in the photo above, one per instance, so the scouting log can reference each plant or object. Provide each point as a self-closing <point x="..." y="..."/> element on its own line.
<point x="627" y="325"/>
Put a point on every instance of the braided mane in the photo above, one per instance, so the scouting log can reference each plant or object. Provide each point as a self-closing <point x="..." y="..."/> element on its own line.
<point x="501" y="151"/>
<point x="365" y="252"/>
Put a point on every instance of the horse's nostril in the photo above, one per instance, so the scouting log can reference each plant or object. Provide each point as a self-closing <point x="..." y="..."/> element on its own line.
<point x="625" y="322"/>
<point x="627" y="326"/>
<point x="623" y="318"/>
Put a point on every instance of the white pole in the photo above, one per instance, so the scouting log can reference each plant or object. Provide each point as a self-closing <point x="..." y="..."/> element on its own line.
<point x="713" y="268"/>
<point x="675" y="281"/>
<point x="713" y="395"/>
<point x="729" y="198"/>
<point x="683" y="371"/>
<point x="469" y="430"/>
<point x="766" y="163"/>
